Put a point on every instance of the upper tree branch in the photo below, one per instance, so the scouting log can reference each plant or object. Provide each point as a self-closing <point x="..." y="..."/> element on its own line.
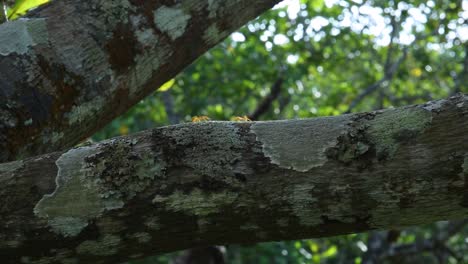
<point x="73" y="66"/>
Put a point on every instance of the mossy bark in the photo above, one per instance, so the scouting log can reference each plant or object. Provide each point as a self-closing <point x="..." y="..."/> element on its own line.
<point x="207" y="183"/>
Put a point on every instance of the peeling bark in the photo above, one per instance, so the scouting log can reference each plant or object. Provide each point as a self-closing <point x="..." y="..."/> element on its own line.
<point x="72" y="66"/>
<point x="199" y="184"/>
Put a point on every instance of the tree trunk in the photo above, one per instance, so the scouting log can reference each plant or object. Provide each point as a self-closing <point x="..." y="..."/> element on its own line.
<point x="199" y="184"/>
<point x="73" y="66"/>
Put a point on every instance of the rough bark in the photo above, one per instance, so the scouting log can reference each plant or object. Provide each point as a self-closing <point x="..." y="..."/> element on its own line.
<point x="72" y="66"/>
<point x="198" y="184"/>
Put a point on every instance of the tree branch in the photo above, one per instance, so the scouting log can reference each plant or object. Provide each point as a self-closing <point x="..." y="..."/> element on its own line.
<point x="389" y="67"/>
<point x="198" y="184"/>
<point x="461" y="79"/>
<point x="267" y="101"/>
<point x="87" y="62"/>
<point x="388" y="75"/>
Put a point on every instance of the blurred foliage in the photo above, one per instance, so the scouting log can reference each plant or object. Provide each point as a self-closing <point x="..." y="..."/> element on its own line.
<point x="328" y="53"/>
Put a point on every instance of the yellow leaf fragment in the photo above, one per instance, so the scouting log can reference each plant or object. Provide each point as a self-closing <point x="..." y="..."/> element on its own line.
<point x="241" y="118"/>
<point x="200" y="119"/>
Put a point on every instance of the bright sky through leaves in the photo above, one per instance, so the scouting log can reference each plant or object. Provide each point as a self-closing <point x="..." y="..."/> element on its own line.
<point x="364" y="18"/>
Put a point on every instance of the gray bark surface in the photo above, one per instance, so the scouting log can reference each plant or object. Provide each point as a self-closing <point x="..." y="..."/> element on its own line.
<point x="70" y="67"/>
<point x="199" y="184"/>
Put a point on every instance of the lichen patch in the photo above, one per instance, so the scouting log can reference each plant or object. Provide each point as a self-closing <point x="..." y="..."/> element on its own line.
<point x="391" y="128"/>
<point x="147" y="64"/>
<point x="213" y="8"/>
<point x="8" y="168"/>
<point x="19" y="35"/>
<point x="141" y="237"/>
<point x="76" y="198"/>
<point x="197" y="202"/>
<point x="80" y="113"/>
<point x="171" y="20"/>
<point x="219" y="142"/>
<point x="121" y="172"/>
<point x="107" y="245"/>
<point x="213" y="35"/>
<point x="299" y="144"/>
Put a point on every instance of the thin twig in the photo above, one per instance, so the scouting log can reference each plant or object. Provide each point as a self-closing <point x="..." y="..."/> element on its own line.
<point x="462" y="77"/>
<point x="389" y="67"/>
<point x="265" y="105"/>
<point x="5" y="10"/>
<point x="168" y="101"/>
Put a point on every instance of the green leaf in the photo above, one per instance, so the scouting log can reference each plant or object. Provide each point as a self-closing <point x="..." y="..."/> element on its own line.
<point x="166" y="86"/>
<point x="331" y="251"/>
<point x="317" y="5"/>
<point x="22" y="6"/>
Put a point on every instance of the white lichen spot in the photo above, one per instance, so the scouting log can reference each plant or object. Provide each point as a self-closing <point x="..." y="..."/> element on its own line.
<point x="249" y="227"/>
<point x="153" y="223"/>
<point x="171" y="20"/>
<point x="67" y="226"/>
<point x="7" y="169"/>
<point x="299" y="144"/>
<point x="303" y="204"/>
<point x="146" y="37"/>
<point x="197" y="202"/>
<point x="214" y="8"/>
<point x="84" y="111"/>
<point x="56" y="137"/>
<point x="141" y="237"/>
<point x="19" y="35"/>
<point x="28" y="122"/>
<point x="213" y="35"/>
<point x="147" y="64"/>
<point x="76" y="198"/>
<point x="114" y="12"/>
<point x="10" y="243"/>
<point x="434" y="105"/>
<point x="390" y="127"/>
<point x="108" y="245"/>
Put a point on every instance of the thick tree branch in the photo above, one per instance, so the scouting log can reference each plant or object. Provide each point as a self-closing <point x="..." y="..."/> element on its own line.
<point x="199" y="184"/>
<point x="72" y="66"/>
